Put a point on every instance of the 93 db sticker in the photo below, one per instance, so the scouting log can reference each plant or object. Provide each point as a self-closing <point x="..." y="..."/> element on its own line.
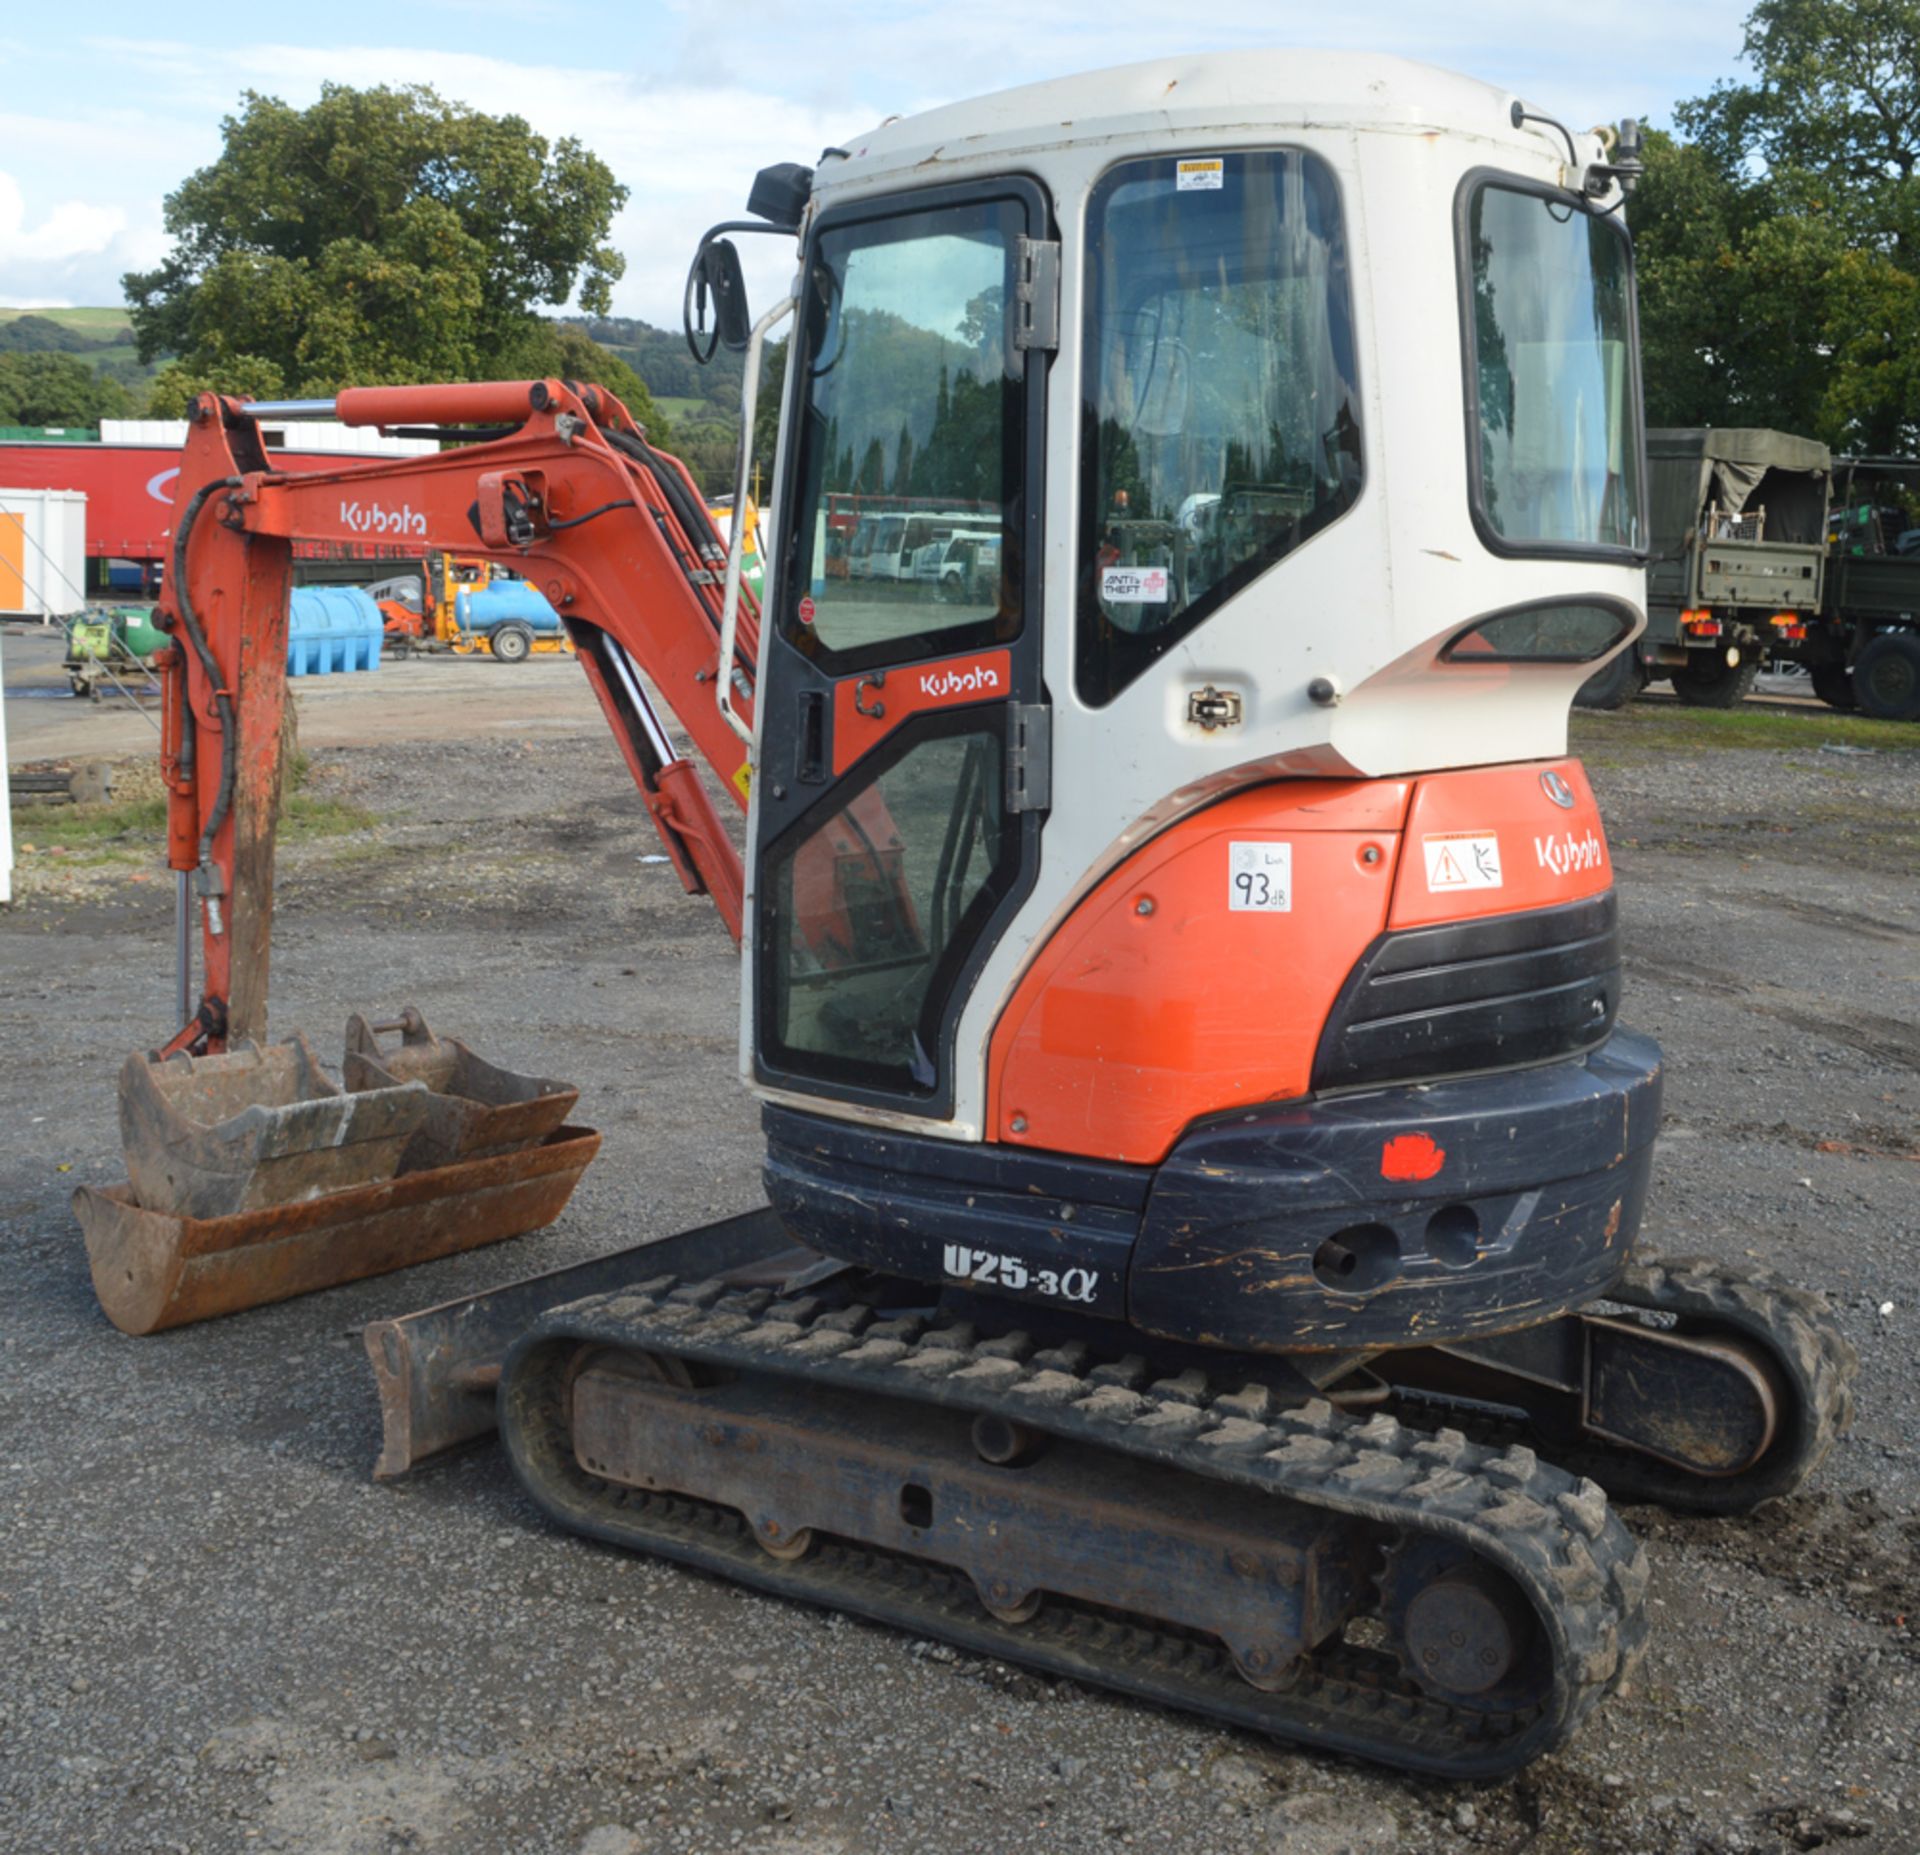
<point x="1260" y="877"/>
<point x="1462" y="860"/>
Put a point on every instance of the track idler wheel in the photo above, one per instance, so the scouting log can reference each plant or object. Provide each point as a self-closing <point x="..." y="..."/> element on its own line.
<point x="1461" y="1627"/>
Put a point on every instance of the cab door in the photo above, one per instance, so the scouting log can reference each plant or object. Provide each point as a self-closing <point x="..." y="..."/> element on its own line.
<point x="901" y="777"/>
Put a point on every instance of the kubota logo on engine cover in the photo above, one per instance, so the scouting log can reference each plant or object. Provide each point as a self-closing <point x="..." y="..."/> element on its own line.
<point x="1566" y="854"/>
<point x="371" y="519"/>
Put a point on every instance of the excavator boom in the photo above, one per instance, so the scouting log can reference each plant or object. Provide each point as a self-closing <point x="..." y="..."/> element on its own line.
<point x="566" y="490"/>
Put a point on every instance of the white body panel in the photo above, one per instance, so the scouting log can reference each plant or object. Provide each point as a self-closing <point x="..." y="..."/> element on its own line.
<point x="1368" y="602"/>
<point x="288" y="434"/>
<point x="52" y="558"/>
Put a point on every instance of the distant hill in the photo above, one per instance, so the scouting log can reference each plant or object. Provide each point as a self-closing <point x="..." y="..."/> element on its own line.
<point x="103" y="338"/>
<point x="659" y="356"/>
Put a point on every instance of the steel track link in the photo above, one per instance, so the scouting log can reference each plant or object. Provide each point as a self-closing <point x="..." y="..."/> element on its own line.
<point x="1581" y="1572"/>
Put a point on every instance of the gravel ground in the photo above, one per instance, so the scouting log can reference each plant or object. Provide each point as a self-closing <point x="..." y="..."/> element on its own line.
<point x="217" y="1634"/>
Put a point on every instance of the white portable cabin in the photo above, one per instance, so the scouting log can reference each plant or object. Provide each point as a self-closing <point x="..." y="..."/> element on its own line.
<point x="43" y="553"/>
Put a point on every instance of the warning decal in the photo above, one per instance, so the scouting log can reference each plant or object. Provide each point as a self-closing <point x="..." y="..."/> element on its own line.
<point x="1200" y="176"/>
<point x="1462" y="860"/>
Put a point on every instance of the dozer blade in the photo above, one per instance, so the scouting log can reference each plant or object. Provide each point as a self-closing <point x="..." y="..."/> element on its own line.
<point x="437" y="1369"/>
<point x="153" y="1270"/>
<point x="220" y="1136"/>
<point x="474" y="1108"/>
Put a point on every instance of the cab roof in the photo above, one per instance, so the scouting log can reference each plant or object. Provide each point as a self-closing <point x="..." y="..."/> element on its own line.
<point x="1229" y="92"/>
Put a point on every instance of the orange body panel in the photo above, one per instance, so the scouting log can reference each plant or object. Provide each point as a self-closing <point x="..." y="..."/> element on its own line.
<point x="1542" y="852"/>
<point x="911" y="689"/>
<point x="1158" y="1002"/>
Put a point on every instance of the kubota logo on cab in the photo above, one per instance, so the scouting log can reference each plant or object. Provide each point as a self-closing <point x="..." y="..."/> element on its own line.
<point x="967" y="679"/>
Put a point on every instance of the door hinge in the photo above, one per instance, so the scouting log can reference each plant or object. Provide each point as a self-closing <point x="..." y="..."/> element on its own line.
<point x="1029" y="757"/>
<point x="1036" y="294"/>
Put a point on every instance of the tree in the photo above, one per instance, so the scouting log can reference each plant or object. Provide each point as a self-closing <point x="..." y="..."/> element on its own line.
<point x="57" y="389"/>
<point x="378" y="237"/>
<point x="1779" y="248"/>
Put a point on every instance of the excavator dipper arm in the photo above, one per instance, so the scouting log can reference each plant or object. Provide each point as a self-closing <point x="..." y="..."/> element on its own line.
<point x="572" y="498"/>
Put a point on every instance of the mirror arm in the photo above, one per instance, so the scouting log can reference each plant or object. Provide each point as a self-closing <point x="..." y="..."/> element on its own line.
<point x="736" y="539"/>
<point x="695" y="281"/>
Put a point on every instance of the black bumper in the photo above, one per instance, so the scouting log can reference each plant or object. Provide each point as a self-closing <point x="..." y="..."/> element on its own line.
<point x="1401" y="1216"/>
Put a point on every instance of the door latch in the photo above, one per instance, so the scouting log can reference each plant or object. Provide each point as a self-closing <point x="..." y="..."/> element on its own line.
<point x="1029" y="757"/>
<point x="1036" y="294"/>
<point x="877" y="681"/>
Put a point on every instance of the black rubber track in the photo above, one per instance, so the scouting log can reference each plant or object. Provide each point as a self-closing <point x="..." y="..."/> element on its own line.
<point x="1815" y="1361"/>
<point x="1552" y="1533"/>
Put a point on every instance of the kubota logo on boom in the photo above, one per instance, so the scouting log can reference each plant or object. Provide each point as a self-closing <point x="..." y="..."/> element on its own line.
<point x="1566" y="854"/>
<point x="370" y="519"/>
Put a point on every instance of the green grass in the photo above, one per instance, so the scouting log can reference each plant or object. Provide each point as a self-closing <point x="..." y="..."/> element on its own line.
<point x="86" y="827"/>
<point x="681" y="409"/>
<point x="138" y="826"/>
<point x="1667" y="728"/>
<point x="304" y="817"/>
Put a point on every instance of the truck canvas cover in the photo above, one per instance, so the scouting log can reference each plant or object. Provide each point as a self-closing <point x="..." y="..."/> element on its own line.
<point x="1691" y="467"/>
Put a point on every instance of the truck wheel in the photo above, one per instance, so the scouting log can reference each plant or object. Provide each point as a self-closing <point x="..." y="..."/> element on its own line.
<point x="1833" y="684"/>
<point x="511" y="643"/>
<point x="1614" y="684"/>
<point x="1713" y="685"/>
<point x="1886" y="677"/>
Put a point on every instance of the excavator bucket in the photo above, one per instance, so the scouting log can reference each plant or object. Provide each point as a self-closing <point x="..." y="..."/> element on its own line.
<point x="213" y="1136"/>
<point x="254" y="1176"/>
<point x="475" y="1108"/>
<point x="153" y="1271"/>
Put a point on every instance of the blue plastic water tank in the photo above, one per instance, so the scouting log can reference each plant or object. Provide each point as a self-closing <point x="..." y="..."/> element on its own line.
<point x="333" y="628"/>
<point x="493" y="605"/>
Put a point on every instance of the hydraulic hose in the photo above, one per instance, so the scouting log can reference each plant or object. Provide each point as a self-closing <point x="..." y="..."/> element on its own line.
<point x="223" y="702"/>
<point x="686" y="507"/>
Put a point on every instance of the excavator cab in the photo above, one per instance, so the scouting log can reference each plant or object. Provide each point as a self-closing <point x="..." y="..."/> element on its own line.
<point x="1311" y="447"/>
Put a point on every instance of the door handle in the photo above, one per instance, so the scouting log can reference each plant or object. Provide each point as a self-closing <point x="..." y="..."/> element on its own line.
<point x="878" y="680"/>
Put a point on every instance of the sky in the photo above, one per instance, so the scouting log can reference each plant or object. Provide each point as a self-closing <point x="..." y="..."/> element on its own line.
<point x="100" y="121"/>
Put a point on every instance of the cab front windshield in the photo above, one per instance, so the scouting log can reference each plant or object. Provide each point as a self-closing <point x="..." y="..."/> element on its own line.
<point x="1554" y="384"/>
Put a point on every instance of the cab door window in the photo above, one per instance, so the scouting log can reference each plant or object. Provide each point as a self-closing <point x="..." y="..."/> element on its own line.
<point x="913" y="432"/>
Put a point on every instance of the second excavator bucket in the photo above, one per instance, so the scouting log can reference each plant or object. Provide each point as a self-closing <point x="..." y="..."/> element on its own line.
<point x="475" y="1108"/>
<point x="212" y="1136"/>
<point x="153" y="1271"/>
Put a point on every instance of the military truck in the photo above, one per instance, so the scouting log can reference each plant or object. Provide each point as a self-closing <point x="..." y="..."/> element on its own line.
<point x="1738" y="518"/>
<point x="1865" y="651"/>
<point x="1765" y="546"/>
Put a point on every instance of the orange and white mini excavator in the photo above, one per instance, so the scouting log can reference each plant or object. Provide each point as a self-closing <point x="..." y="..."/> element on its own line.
<point x="1179" y="959"/>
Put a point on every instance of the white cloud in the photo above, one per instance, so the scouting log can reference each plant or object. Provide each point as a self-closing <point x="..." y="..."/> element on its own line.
<point x="686" y="150"/>
<point x="686" y="132"/>
<point x="71" y="229"/>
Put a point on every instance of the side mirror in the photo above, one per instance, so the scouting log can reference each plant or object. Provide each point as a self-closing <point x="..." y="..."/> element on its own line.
<point x="716" y="276"/>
